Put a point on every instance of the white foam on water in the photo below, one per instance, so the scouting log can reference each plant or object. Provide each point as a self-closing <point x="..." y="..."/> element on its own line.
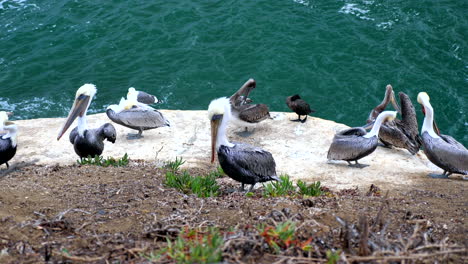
<point x="34" y="107"/>
<point x="302" y="2"/>
<point x="15" y="4"/>
<point x="385" y="25"/>
<point x="354" y="9"/>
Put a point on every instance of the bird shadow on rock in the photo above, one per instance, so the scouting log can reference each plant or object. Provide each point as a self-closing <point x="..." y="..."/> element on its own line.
<point x="344" y="164"/>
<point x="17" y="166"/>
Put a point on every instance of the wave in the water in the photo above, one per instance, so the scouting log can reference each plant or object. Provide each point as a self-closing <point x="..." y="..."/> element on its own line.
<point x="15" y="4"/>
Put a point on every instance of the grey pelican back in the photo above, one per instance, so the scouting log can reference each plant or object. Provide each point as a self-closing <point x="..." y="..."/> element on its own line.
<point x="141" y="97"/>
<point x="138" y="117"/>
<point x="92" y="142"/>
<point x="355" y="143"/>
<point x="299" y="106"/>
<point x="247" y="164"/>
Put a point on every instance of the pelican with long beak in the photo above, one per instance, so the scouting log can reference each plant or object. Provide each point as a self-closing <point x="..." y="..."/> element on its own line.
<point x="442" y="150"/>
<point x="7" y="141"/>
<point x="402" y="133"/>
<point x="355" y="143"/>
<point x="242" y="162"/>
<point x="244" y="113"/>
<point x="141" y="97"/>
<point x="86" y="142"/>
<point x="136" y="116"/>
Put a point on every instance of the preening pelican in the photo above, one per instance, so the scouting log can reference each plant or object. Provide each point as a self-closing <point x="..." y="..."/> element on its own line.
<point x="141" y="97"/>
<point x="246" y="114"/>
<point x="7" y="141"/>
<point x="86" y="142"/>
<point x="136" y="116"/>
<point x="355" y="143"/>
<point x="442" y="150"/>
<point x="299" y="106"/>
<point x="402" y="133"/>
<point x="242" y="162"/>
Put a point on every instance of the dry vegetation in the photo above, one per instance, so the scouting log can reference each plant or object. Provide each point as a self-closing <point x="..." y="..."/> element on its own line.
<point x="87" y="213"/>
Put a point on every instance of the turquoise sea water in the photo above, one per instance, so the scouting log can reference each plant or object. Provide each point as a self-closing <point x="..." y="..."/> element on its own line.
<point x="338" y="55"/>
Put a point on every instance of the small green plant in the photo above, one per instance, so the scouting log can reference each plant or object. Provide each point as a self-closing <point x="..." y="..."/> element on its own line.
<point x="175" y="165"/>
<point x="218" y="173"/>
<point x="100" y="161"/>
<point x="192" y="246"/>
<point x="282" y="236"/>
<point x="311" y="190"/>
<point x="202" y="186"/>
<point x="333" y="256"/>
<point x="283" y="187"/>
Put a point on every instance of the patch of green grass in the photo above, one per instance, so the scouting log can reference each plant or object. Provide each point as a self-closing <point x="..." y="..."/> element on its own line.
<point x="175" y="165"/>
<point x="191" y="246"/>
<point x="202" y="186"/>
<point x="284" y="187"/>
<point x="100" y="161"/>
<point x="333" y="256"/>
<point x="312" y="189"/>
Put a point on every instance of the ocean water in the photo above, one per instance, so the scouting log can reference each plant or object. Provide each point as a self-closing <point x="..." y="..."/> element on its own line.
<point x="338" y="55"/>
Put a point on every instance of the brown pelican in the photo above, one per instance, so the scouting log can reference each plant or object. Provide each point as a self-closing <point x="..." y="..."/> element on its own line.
<point x="355" y="143"/>
<point x="7" y="141"/>
<point x="245" y="114"/>
<point x="442" y="150"/>
<point x="399" y="133"/>
<point x="140" y="96"/>
<point x="242" y="162"/>
<point x="136" y="116"/>
<point x="299" y="106"/>
<point x="87" y="142"/>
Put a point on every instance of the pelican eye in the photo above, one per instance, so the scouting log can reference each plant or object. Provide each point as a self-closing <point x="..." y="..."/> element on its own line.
<point x="216" y="117"/>
<point x="82" y="97"/>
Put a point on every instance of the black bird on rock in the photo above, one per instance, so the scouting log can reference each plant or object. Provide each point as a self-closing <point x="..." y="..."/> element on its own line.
<point x="299" y="106"/>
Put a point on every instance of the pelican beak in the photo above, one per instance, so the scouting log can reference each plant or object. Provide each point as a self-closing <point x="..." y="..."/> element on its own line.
<point x="394" y="102"/>
<point x="215" y="122"/>
<point x="78" y="109"/>
<point x="369" y="125"/>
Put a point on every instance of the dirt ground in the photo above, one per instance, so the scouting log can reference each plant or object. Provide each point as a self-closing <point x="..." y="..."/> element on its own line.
<point x="76" y="214"/>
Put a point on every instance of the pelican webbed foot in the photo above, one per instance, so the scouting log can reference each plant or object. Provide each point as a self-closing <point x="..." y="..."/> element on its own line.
<point x="357" y="165"/>
<point x="245" y="133"/>
<point x="303" y="120"/>
<point x="438" y="176"/>
<point x="135" y="136"/>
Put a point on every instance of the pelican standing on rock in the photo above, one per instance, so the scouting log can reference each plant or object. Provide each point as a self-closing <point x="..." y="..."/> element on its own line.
<point x="7" y="141"/>
<point x="242" y="162"/>
<point x="140" y="96"/>
<point x="442" y="150"/>
<point x="402" y="133"/>
<point x="299" y="106"/>
<point x="355" y="143"/>
<point x="86" y="142"/>
<point x="136" y="116"/>
<point x="245" y="114"/>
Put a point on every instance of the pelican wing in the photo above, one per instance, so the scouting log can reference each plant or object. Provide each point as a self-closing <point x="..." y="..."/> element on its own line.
<point x="240" y="97"/>
<point x="142" y="117"/>
<point x="354" y="131"/>
<point x="351" y="147"/>
<point x="253" y="113"/>
<point x="247" y="161"/>
<point x="146" y="98"/>
<point x="450" y="140"/>
<point x="446" y="153"/>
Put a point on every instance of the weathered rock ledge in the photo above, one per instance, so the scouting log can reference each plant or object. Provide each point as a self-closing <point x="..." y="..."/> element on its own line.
<point x="300" y="150"/>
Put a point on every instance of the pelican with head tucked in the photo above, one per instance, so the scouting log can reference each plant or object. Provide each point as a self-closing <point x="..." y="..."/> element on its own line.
<point x="402" y="133"/>
<point x="442" y="150"/>
<point x="242" y="162"/>
<point x="7" y="141"/>
<point x="355" y="143"/>
<point x="136" y="116"/>
<point x="245" y="114"/>
<point x="86" y="142"/>
<point x="141" y="97"/>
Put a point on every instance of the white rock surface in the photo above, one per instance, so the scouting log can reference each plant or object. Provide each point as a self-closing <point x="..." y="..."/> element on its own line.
<point x="300" y="150"/>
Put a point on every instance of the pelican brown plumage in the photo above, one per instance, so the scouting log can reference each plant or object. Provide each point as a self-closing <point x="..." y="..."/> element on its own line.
<point x="8" y="143"/>
<point x="242" y="162"/>
<point x="136" y="116"/>
<point x="246" y="114"/>
<point x="442" y="150"/>
<point x="299" y="106"/>
<point x="86" y="142"/>
<point x="402" y="133"/>
<point x="355" y="143"/>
